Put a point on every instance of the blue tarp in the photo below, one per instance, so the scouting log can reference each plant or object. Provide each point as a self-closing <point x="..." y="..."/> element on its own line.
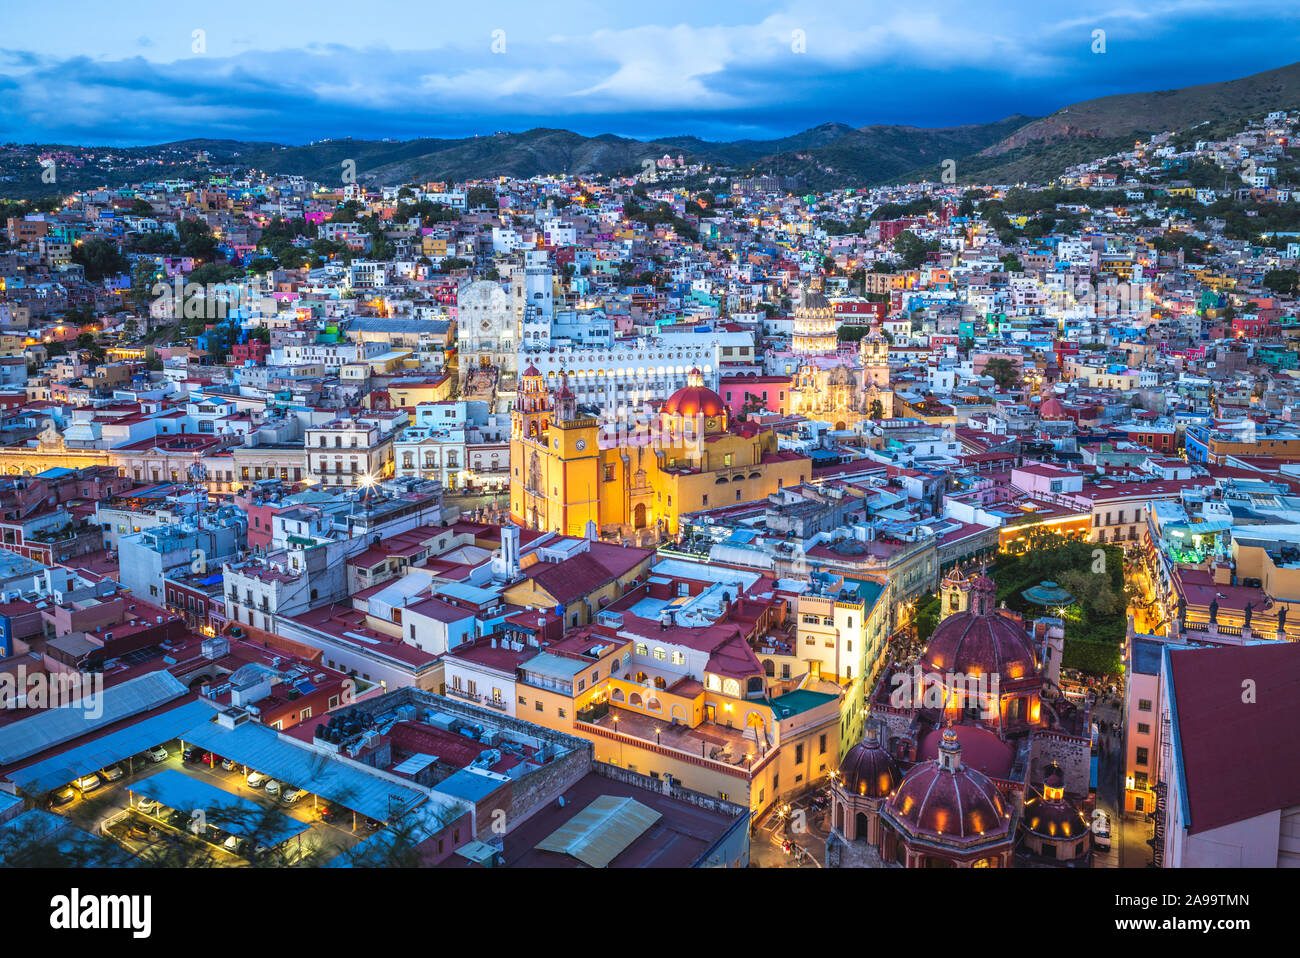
<point x="101" y="752"/>
<point x="224" y="810"/>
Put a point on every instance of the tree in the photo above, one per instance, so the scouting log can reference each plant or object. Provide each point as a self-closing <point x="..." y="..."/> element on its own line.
<point x="1285" y="282"/>
<point x="88" y="342"/>
<point x="196" y="239"/>
<point x="143" y="278"/>
<point x="912" y="249"/>
<point x="1004" y="371"/>
<point x="100" y="258"/>
<point x="481" y="196"/>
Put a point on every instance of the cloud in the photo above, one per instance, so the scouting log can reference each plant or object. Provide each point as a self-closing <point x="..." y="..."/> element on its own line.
<point x="856" y="63"/>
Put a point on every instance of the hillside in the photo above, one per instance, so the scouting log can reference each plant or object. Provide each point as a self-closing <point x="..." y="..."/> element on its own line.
<point x="1132" y="114"/>
<point x="832" y="155"/>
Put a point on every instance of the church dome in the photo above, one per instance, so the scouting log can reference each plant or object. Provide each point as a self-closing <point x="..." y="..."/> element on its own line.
<point x="946" y="797"/>
<point x="1051" y="815"/>
<point x="695" y="399"/>
<point x="868" y="769"/>
<point x="532" y="371"/>
<point x="1052" y="409"/>
<point x="980" y="641"/>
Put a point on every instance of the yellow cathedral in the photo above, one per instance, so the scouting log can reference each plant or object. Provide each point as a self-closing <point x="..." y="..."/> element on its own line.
<point x="567" y="470"/>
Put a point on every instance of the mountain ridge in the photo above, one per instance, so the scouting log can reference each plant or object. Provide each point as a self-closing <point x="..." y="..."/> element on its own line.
<point x="829" y="155"/>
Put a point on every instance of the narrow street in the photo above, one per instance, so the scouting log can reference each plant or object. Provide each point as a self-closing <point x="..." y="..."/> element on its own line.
<point x="1128" y="834"/>
<point x="802" y="825"/>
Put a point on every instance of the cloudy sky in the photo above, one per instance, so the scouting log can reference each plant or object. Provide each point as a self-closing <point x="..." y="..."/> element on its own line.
<point x="87" y="72"/>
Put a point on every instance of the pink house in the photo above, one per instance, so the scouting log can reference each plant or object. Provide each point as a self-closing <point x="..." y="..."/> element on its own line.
<point x="771" y="392"/>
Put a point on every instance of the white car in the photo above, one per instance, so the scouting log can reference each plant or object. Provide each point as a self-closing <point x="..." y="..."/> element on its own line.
<point x="88" y="783"/>
<point x="112" y="773"/>
<point x="148" y="806"/>
<point x="273" y="787"/>
<point x="156" y="754"/>
<point x="256" y="780"/>
<point x="1101" y="830"/>
<point x="291" y="795"/>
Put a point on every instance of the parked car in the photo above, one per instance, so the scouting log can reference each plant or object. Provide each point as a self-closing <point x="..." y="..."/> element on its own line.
<point x="331" y="813"/>
<point x="291" y="795"/>
<point x="228" y="764"/>
<point x="256" y="780"/>
<point x="156" y="754"/>
<point x="191" y="753"/>
<point x="112" y="773"/>
<point x="1101" y="830"/>
<point x="88" y="783"/>
<point x="235" y="844"/>
<point x="62" y="796"/>
<point x="273" y="788"/>
<point x="148" y="806"/>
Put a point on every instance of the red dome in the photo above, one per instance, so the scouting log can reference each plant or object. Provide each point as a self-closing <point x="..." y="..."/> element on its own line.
<point x="974" y="644"/>
<point x="868" y="770"/>
<point x="946" y="797"/>
<point x="1054" y="820"/>
<point x="695" y="401"/>
<point x="1052" y="409"/>
<point x="980" y="641"/>
<point x="532" y="371"/>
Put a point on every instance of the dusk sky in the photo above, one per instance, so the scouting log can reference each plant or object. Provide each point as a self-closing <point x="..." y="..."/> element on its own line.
<point x="92" y="73"/>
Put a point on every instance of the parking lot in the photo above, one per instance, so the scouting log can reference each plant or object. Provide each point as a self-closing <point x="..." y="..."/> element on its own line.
<point x="90" y="810"/>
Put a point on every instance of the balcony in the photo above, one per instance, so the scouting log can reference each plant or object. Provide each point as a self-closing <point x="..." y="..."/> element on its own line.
<point x="462" y="694"/>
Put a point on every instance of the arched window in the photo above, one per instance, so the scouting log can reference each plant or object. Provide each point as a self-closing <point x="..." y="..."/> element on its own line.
<point x="635" y="700"/>
<point x="731" y="687"/>
<point x="712" y="682"/>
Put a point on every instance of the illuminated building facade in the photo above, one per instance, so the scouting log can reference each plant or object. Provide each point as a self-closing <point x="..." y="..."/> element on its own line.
<point x="566" y="470"/>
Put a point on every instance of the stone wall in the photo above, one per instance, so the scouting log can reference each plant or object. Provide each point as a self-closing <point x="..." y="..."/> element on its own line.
<point x="1071" y="753"/>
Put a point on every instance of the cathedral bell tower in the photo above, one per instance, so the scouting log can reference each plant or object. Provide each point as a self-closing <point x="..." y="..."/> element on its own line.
<point x="532" y="413"/>
<point x="874" y="354"/>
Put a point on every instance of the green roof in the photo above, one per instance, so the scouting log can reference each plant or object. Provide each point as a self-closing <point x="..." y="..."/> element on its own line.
<point x="800" y="700"/>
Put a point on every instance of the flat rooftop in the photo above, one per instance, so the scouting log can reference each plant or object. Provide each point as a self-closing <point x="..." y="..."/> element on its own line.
<point x="677" y="839"/>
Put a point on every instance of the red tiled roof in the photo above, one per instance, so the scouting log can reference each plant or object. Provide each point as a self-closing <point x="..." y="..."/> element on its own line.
<point x="1240" y="758"/>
